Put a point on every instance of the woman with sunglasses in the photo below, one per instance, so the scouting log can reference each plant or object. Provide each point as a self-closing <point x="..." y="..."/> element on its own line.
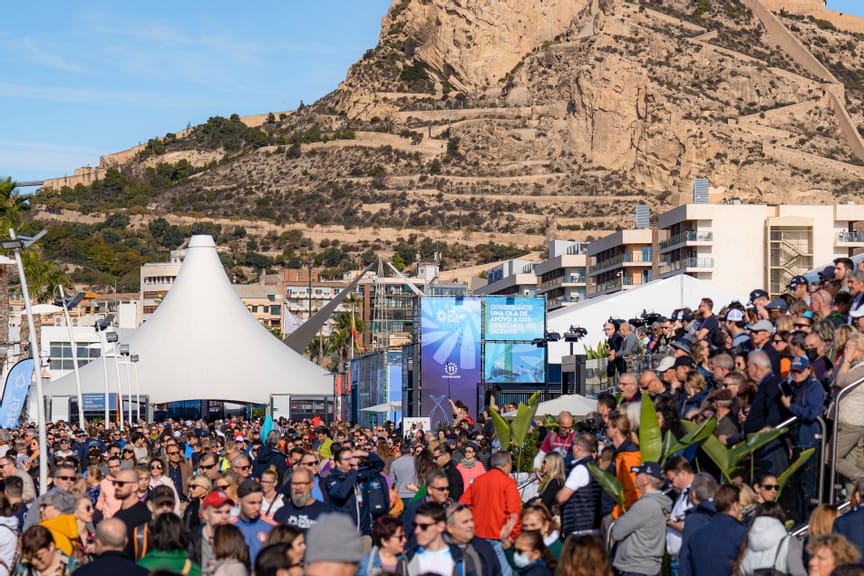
<point x="388" y="547"/>
<point x="470" y="468"/>
<point x="85" y="546"/>
<point x="127" y="458"/>
<point x="767" y="488"/>
<point x="228" y="483"/>
<point x="158" y="478"/>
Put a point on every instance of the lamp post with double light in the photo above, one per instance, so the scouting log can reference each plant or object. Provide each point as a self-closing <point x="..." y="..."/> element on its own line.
<point x="68" y="303"/>
<point x="16" y="244"/>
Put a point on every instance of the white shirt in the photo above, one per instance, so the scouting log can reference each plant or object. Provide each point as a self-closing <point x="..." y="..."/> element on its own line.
<point x="579" y="477"/>
<point x="437" y="562"/>
<point x="673" y="537"/>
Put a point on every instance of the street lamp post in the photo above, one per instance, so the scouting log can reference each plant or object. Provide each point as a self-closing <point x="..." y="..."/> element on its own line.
<point x="16" y="244"/>
<point x="67" y="304"/>
<point x="124" y="352"/>
<point x="101" y="327"/>
<point x="134" y="359"/>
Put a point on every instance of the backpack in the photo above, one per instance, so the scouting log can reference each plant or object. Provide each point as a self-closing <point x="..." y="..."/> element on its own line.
<point x="377" y="496"/>
<point x="140" y="541"/>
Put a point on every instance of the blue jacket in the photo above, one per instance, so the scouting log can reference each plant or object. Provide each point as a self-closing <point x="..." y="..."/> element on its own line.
<point x="851" y="525"/>
<point x="808" y="404"/>
<point x="694" y="518"/>
<point x="342" y="496"/>
<point x="712" y="549"/>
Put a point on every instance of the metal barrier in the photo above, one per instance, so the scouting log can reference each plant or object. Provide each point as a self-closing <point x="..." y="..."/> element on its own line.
<point x="840" y="395"/>
<point x="805" y="529"/>
<point x="820" y="483"/>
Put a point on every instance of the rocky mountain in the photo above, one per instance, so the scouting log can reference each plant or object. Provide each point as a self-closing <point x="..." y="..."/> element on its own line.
<point x="480" y="124"/>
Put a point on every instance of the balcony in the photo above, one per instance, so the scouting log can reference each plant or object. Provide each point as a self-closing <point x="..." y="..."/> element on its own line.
<point x="574" y="279"/>
<point x="619" y="261"/>
<point x="849" y="238"/>
<point x="616" y="284"/>
<point x="685" y="238"/>
<point x="686" y="264"/>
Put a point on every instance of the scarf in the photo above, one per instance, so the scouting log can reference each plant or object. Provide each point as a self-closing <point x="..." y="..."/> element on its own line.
<point x="469" y="463"/>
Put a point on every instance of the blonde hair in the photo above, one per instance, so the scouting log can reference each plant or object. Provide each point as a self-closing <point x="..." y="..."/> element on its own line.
<point x="784" y="324"/>
<point x="556" y="466"/>
<point x="822" y="519"/>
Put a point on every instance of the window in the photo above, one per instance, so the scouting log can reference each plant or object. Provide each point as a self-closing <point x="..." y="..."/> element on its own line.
<point x="61" y="355"/>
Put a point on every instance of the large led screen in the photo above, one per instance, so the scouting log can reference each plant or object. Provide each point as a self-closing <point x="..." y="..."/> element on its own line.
<point x="509" y="363"/>
<point x="514" y="319"/>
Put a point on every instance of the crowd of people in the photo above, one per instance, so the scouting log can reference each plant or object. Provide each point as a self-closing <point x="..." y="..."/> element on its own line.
<point x="239" y="496"/>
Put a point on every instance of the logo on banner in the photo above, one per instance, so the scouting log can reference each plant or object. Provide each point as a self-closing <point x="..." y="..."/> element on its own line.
<point x="451" y="370"/>
<point x="15" y="393"/>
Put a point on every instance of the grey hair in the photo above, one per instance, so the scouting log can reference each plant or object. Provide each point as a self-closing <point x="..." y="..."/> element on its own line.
<point x="704" y="486"/>
<point x="760" y="359"/>
<point x="499" y="459"/>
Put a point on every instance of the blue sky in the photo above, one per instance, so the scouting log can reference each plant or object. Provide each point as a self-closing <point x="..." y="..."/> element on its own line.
<point x="83" y="79"/>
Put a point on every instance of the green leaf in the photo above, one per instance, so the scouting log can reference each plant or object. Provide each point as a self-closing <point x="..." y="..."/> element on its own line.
<point x="754" y="442"/>
<point x="502" y="429"/>
<point x="668" y="442"/>
<point x="609" y="483"/>
<point x="718" y="454"/>
<point x="650" y="435"/>
<point x="784" y="477"/>
<point x="695" y="434"/>
<point x="522" y="422"/>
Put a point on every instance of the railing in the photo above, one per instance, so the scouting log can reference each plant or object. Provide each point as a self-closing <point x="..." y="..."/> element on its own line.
<point x="688" y="236"/>
<point x="849" y="236"/>
<point x="804" y="529"/>
<point x="840" y="395"/>
<point x="616" y="283"/>
<point x="667" y="267"/>
<point x="820" y="482"/>
<point x="616" y="261"/>
<point x="576" y="278"/>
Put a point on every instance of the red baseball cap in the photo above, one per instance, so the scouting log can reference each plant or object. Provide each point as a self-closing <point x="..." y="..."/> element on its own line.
<point x="216" y="499"/>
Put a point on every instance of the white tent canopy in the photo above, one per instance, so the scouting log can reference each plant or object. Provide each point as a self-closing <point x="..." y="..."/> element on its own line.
<point x="660" y="296"/>
<point x="579" y="406"/>
<point x="394" y="406"/>
<point x="203" y="344"/>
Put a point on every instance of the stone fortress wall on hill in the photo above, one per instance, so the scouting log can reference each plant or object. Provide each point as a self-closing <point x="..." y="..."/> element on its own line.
<point x="817" y="9"/>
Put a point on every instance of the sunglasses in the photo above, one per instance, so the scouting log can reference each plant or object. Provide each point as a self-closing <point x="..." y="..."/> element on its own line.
<point x="771" y="486"/>
<point x="221" y="486"/>
<point x="117" y="483"/>
<point x="156" y="467"/>
<point x="247" y="467"/>
<point x="174" y="453"/>
<point x="205" y="467"/>
<point x="67" y="478"/>
<point x="440" y="488"/>
<point x="422" y="526"/>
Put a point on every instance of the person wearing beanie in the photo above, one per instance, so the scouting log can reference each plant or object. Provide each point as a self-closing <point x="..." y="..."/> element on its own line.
<point x="333" y="546"/>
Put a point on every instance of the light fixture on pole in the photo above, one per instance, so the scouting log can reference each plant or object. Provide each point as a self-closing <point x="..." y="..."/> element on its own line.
<point x="124" y="351"/>
<point x="134" y="359"/>
<point x="101" y="327"/>
<point x="68" y="303"/>
<point x="544" y="343"/>
<point x="16" y="244"/>
<point x="114" y="338"/>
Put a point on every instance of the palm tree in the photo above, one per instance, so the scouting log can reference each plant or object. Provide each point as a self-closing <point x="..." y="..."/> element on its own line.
<point x="12" y="209"/>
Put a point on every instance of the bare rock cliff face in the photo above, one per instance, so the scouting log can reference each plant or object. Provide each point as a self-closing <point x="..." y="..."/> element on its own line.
<point x="475" y="43"/>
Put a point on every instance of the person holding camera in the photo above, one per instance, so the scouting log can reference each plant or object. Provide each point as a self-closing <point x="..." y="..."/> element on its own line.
<point x="356" y="487"/>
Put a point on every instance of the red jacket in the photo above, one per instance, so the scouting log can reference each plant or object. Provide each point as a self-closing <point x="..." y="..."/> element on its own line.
<point x="494" y="498"/>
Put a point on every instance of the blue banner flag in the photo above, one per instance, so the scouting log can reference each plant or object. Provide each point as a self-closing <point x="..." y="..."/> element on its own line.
<point x="15" y="393"/>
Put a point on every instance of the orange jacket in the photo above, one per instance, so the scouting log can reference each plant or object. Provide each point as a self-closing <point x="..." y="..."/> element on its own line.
<point x="494" y="498"/>
<point x="626" y="458"/>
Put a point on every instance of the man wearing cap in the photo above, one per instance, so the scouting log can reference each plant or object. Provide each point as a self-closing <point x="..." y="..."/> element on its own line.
<point x="761" y="334"/>
<point x="799" y="288"/>
<point x="254" y="527"/>
<point x="162" y="500"/>
<point x="759" y="300"/>
<point x="734" y="324"/>
<point x="806" y="401"/>
<point x="333" y="547"/>
<point x="680" y="347"/>
<point x="215" y="511"/>
<point x="668" y="375"/>
<point x="776" y="308"/>
<point x="301" y="510"/>
<point x="641" y="531"/>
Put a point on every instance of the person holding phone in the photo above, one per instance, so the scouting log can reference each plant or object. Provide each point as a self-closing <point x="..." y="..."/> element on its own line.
<point x="804" y="397"/>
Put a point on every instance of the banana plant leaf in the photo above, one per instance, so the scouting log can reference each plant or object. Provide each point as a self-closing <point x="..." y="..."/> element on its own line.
<point x="502" y="429"/>
<point x="784" y="477"/>
<point x="609" y="483"/>
<point x="696" y="433"/>
<point x="650" y="435"/>
<point x="668" y="441"/>
<point x="522" y="422"/>
<point x="754" y="442"/>
<point x="719" y="454"/>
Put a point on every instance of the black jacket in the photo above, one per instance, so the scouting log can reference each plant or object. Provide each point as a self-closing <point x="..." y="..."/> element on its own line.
<point x="111" y="562"/>
<point x="455" y="480"/>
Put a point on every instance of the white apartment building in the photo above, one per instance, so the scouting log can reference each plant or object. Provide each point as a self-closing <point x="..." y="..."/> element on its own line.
<point x="562" y="278"/>
<point x="745" y="246"/>
<point x="512" y="278"/>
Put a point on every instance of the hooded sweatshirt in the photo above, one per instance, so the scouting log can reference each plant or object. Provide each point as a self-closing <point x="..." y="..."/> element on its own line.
<point x="8" y="542"/>
<point x="641" y="534"/>
<point x="767" y="542"/>
<point x="64" y="530"/>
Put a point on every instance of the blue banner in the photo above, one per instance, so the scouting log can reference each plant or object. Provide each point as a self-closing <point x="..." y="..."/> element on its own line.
<point x="15" y="393"/>
<point x="509" y="363"/>
<point x="450" y="355"/>
<point x="514" y="318"/>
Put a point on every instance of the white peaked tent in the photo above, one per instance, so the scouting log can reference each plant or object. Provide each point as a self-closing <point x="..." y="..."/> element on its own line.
<point x="660" y="296"/>
<point x="203" y="344"/>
